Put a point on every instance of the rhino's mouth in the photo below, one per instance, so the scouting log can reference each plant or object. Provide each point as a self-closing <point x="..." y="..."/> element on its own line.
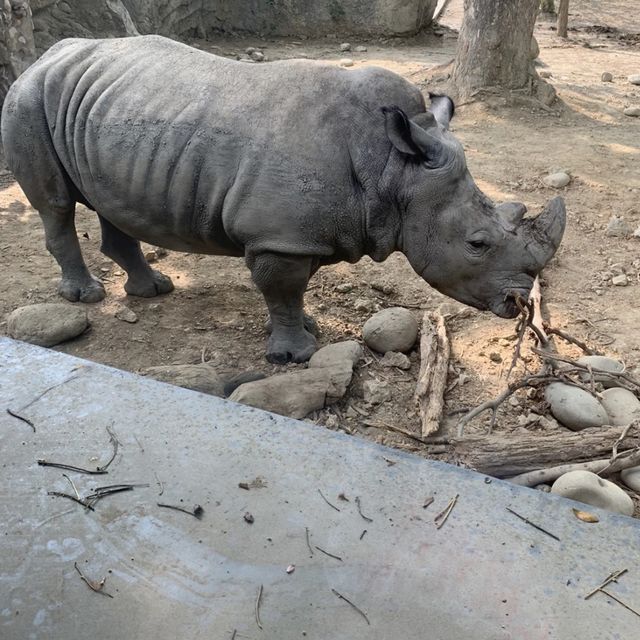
<point x="508" y="307"/>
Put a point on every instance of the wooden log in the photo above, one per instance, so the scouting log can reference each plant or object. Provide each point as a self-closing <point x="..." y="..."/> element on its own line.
<point x="434" y="365"/>
<point x="503" y="456"/>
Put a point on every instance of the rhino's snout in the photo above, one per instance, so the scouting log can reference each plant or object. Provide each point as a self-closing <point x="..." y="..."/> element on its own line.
<point x="544" y="233"/>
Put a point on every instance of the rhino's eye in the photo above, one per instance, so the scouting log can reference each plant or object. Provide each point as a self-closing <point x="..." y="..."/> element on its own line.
<point x="478" y="245"/>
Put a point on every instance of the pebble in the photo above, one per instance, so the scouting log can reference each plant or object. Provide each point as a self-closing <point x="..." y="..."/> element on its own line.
<point x="297" y="393"/>
<point x="126" y="315"/>
<point x="345" y="287"/>
<point x="631" y="477"/>
<point x="617" y="228"/>
<point x="345" y="46"/>
<point x="575" y="408"/>
<point x="635" y="78"/>
<point x="620" y="280"/>
<point x="257" y="56"/>
<point x="632" y="111"/>
<point x="376" y="392"/>
<point x="47" y="324"/>
<point x="606" y="77"/>
<point x="545" y="74"/>
<point x="543" y="487"/>
<point x="383" y="287"/>
<point x="591" y="489"/>
<point x="636" y="233"/>
<point x="361" y="49"/>
<point x="396" y="359"/>
<point x="362" y="304"/>
<point x="557" y="180"/>
<point x="622" y="406"/>
<point x="604" y="363"/>
<point x="151" y="256"/>
<point x="198" y="377"/>
<point x="346" y="62"/>
<point x="393" y="329"/>
<point x="339" y="352"/>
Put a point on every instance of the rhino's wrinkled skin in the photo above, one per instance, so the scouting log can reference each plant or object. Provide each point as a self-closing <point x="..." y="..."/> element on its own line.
<point x="292" y="165"/>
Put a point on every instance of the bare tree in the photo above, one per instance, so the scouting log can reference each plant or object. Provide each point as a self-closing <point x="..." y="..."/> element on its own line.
<point x="494" y="47"/>
<point x="563" y="18"/>
<point x="548" y="6"/>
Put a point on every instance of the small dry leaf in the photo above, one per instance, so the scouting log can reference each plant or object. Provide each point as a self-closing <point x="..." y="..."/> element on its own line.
<point x="585" y="516"/>
<point x="291" y="568"/>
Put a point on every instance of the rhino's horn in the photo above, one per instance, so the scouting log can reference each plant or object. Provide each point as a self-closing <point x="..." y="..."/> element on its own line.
<point x="544" y="233"/>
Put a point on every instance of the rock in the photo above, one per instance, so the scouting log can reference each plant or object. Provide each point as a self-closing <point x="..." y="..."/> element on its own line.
<point x="636" y="233"/>
<point x="604" y="363"/>
<point x="346" y="62"/>
<point x="634" y="112"/>
<point x="534" y="51"/>
<point x="361" y="49"/>
<point x="47" y="324"/>
<point x="543" y="487"/>
<point x="546" y="93"/>
<point x="17" y="45"/>
<point x="250" y="50"/>
<point x="395" y="359"/>
<point x="620" y="280"/>
<point x="199" y="377"/>
<point x="635" y="78"/>
<point x="126" y="315"/>
<point x="575" y="408"/>
<point x="545" y="74"/>
<point x="617" y="228"/>
<point x="362" y="304"/>
<point x="587" y="487"/>
<point x="622" y="406"/>
<point x="631" y="477"/>
<point x="345" y="46"/>
<point x="393" y="329"/>
<point x="257" y="56"/>
<point x="557" y="180"/>
<point x="336" y="354"/>
<point x="376" y="392"/>
<point x="606" y="77"/>
<point x="151" y="256"/>
<point x="298" y="393"/>
<point x="231" y="384"/>
<point x="161" y="252"/>
<point x="345" y="287"/>
<point x="383" y="287"/>
<point x="494" y="356"/>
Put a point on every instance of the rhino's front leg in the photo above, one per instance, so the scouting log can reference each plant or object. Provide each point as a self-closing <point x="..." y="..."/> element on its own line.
<point x="283" y="280"/>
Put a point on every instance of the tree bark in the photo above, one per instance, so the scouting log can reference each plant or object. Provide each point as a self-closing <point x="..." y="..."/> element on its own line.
<point x="504" y="456"/>
<point x="494" y="47"/>
<point x="563" y="18"/>
<point x="548" y="6"/>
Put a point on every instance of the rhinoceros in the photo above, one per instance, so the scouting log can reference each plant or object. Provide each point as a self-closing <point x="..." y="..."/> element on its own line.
<point x="291" y="165"/>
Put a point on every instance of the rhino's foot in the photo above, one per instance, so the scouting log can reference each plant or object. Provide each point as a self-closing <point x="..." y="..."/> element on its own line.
<point x="296" y="346"/>
<point x="91" y="290"/>
<point x="309" y="324"/>
<point x="155" y="285"/>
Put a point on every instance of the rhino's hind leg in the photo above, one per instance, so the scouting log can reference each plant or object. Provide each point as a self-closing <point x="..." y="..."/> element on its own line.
<point x="142" y="280"/>
<point x="62" y="242"/>
<point x="283" y="280"/>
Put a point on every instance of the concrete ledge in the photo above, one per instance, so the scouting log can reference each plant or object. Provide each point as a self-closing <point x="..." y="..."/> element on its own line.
<point x="483" y="575"/>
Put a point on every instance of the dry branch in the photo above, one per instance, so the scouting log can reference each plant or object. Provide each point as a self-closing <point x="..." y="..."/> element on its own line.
<point x="434" y="364"/>
<point x="505" y="456"/>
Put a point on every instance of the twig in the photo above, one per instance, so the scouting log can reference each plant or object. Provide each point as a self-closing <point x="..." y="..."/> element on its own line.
<point x="333" y="506"/>
<point x="69" y="467"/>
<point x="51" y="388"/>
<point x="532" y="524"/>
<point x="400" y="430"/>
<point x="257" y="609"/>
<point x="116" y="443"/>
<point x="160" y="484"/>
<point x="572" y="340"/>
<point x="196" y="513"/>
<point x="60" y="494"/>
<point x="326" y="553"/>
<point x="612" y="577"/>
<point x="234" y="634"/>
<point x="626" y="606"/>
<point x="19" y="417"/>
<point x="92" y="585"/>
<point x="73" y="486"/>
<point x="306" y="530"/>
<point x="360" y="611"/>
<point x="441" y="518"/>
<point x="619" y="441"/>
<point x="362" y="535"/>
<point x="360" y="510"/>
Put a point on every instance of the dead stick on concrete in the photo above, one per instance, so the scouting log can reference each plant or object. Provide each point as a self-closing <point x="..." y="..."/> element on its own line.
<point x="432" y="379"/>
<point x="533" y="524"/>
<point x="19" y="417"/>
<point x="612" y="577"/>
<point x="98" y="588"/>
<point x="360" y="611"/>
<point x="626" y="606"/>
<point x="306" y="530"/>
<point x="441" y="518"/>
<point x="257" y="611"/>
<point x="333" y="506"/>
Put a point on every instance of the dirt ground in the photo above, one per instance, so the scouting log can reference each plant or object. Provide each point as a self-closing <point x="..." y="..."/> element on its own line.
<point x="215" y="313"/>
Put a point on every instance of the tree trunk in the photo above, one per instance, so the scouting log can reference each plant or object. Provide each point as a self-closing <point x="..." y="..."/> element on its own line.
<point x="563" y="18"/>
<point x="548" y="6"/>
<point x="494" y="47"/>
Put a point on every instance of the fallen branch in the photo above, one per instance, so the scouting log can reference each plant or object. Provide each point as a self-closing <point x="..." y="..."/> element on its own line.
<point x="432" y="379"/>
<point x="360" y="611"/>
<point x="97" y="587"/>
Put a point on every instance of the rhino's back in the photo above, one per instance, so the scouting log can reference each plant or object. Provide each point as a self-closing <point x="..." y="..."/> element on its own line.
<point x="147" y="123"/>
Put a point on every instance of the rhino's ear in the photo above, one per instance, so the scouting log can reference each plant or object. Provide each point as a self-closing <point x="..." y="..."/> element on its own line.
<point x="410" y="138"/>
<point x="442" y="108"/>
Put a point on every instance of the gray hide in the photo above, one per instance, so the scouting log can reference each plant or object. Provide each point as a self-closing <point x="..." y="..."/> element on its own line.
<point x="291" y="165"/>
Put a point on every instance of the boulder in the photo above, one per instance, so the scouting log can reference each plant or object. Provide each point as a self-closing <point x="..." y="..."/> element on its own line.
<point x="47" y="324"/>
<point x="575" y="408"/>
<point x="604" y="363"/>
<point x="557" y="180"/>
<point x="396" y="359"/>
<point x="622" y="406"/>
<point x="393" y="329"/>
<point x="631" y="477"/>
<point x="587" y="487"/>
<point x="336" y="354"/>
<point x="298" y="393"/>
<point x="198" y="377"/>
<point x="376" y="392"/>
